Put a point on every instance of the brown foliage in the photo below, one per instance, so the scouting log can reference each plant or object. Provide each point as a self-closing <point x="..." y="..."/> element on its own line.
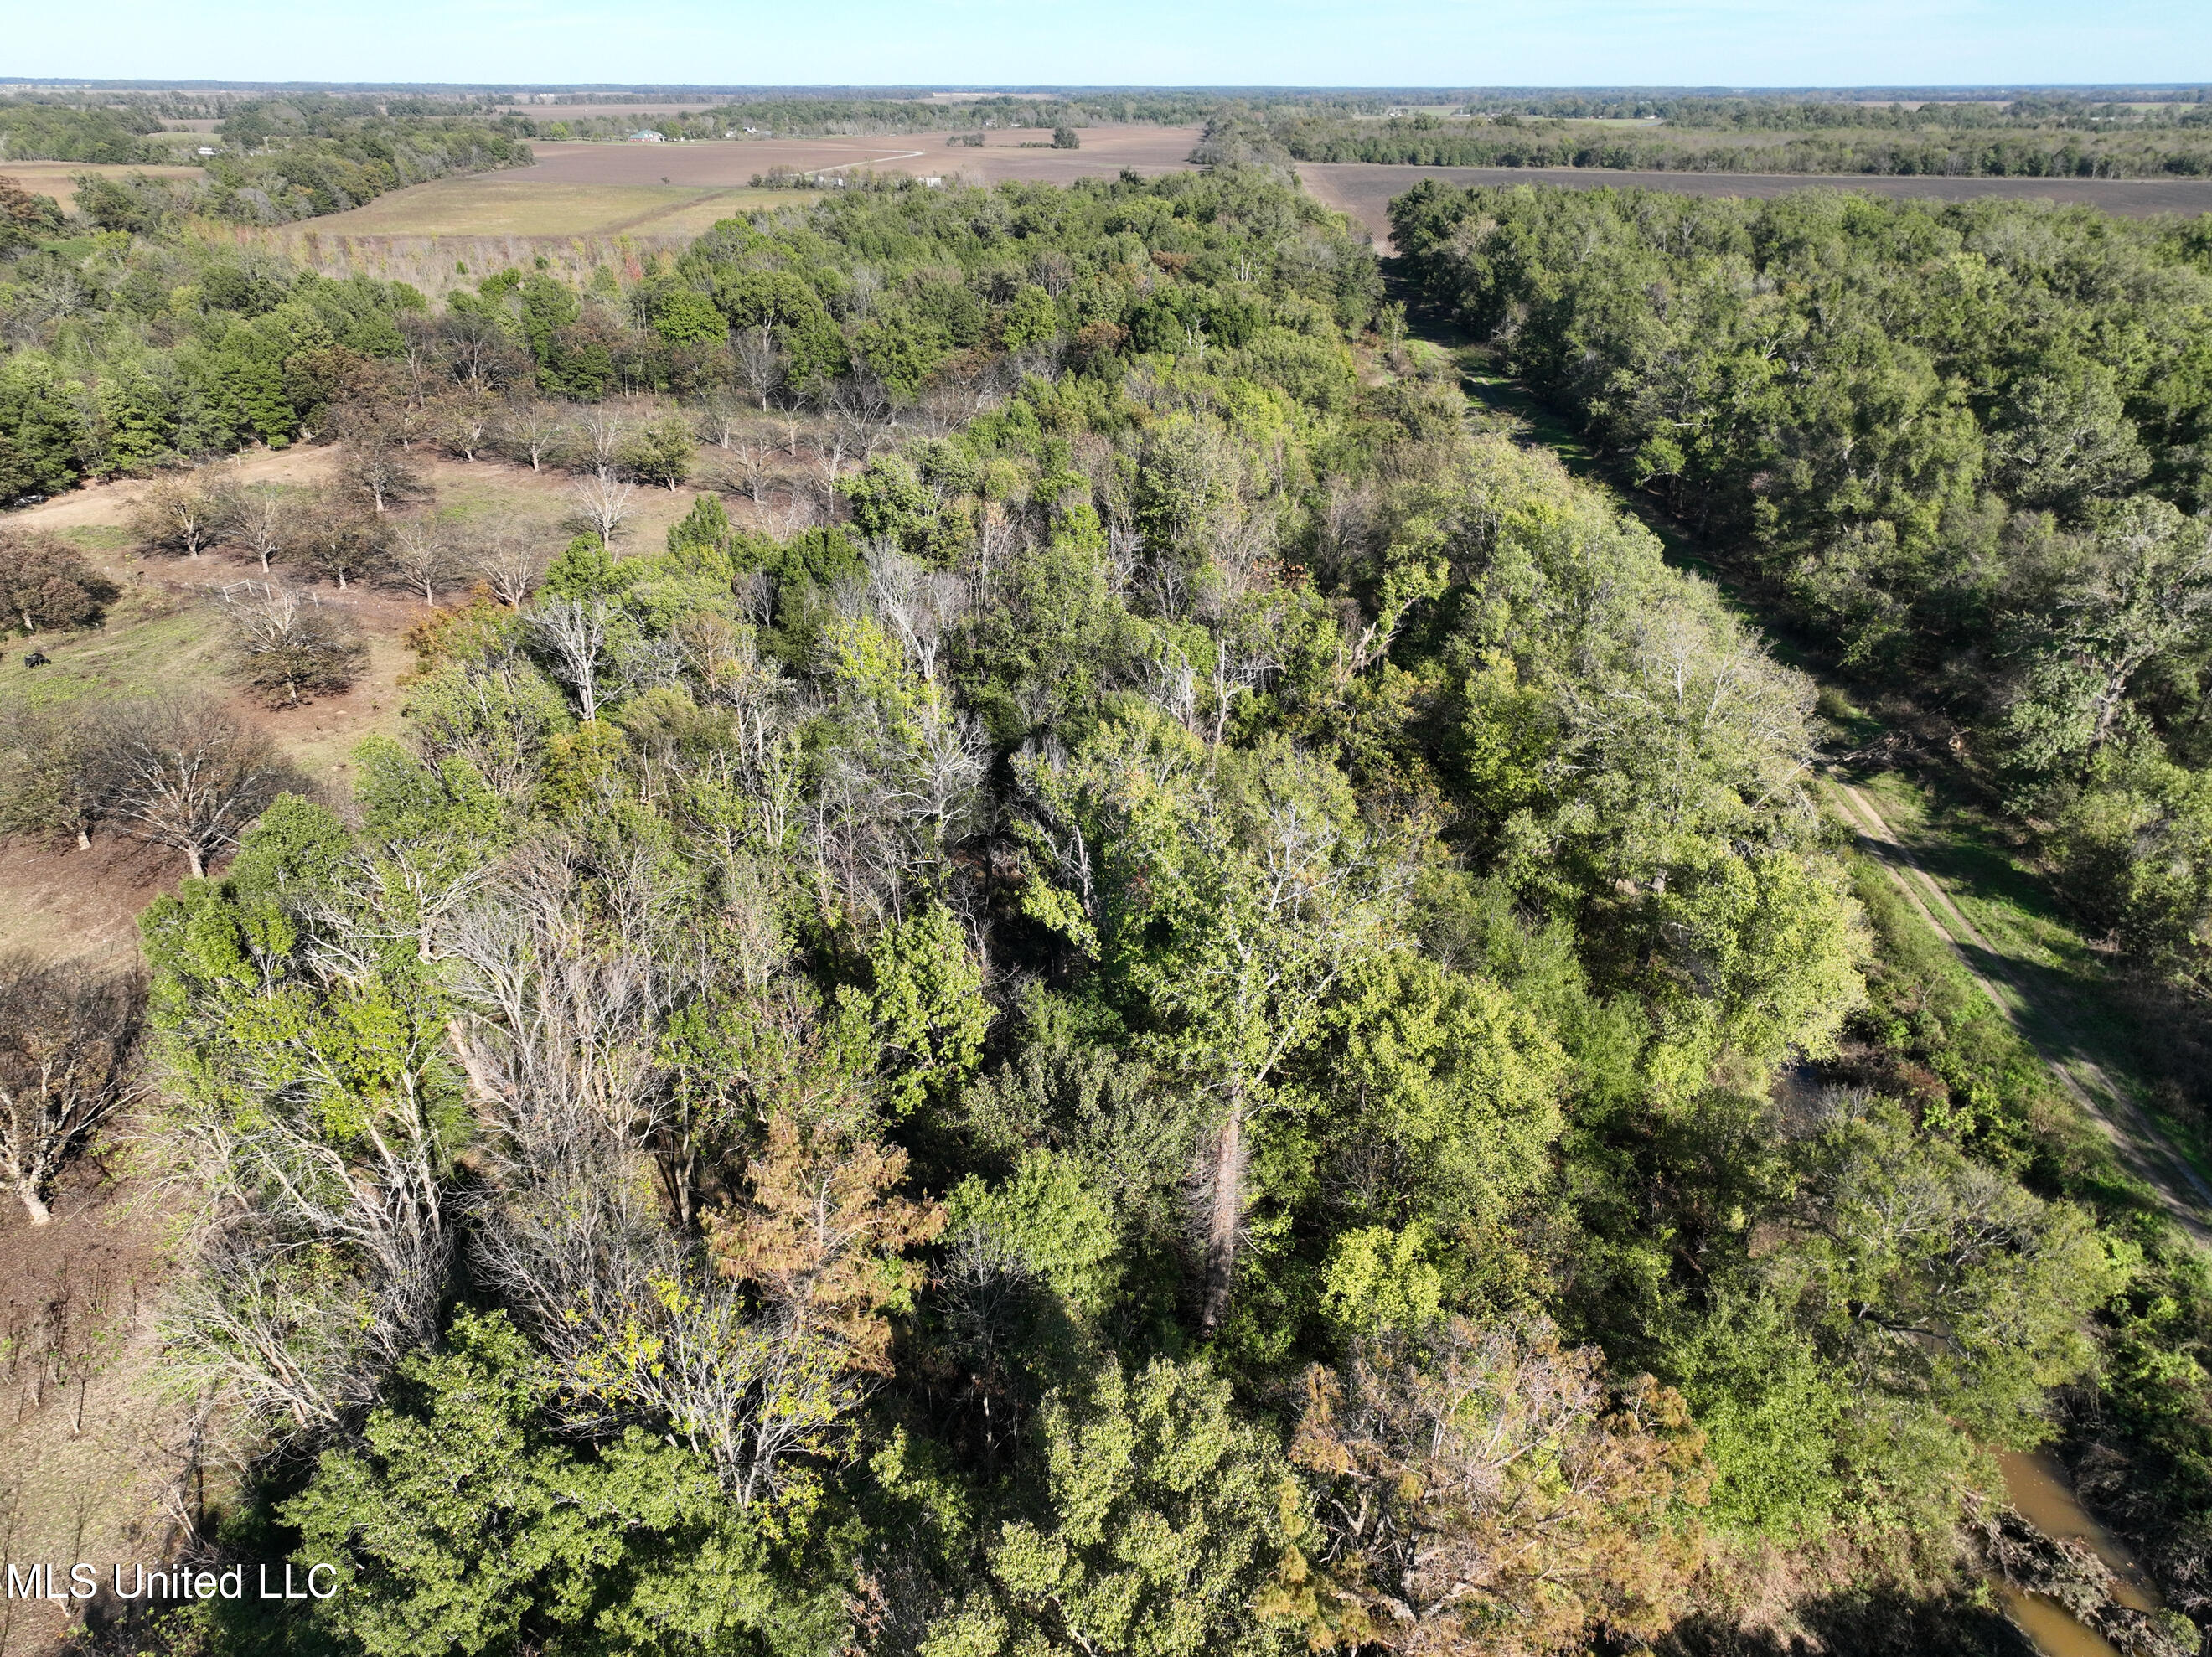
<point x="822" y="1237"/>
<point x="285" y="643"/>
<point x="44" y="584"/>
<point x="1495" y="1495"/>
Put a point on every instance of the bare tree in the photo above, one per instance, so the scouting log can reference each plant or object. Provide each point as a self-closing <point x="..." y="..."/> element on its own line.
<point x="721" y="418"/>
<point x="462" y="420"/>
<point x="285" y="641"/>
<point x="69" y="1050"/>
<point x="918" y="604"/>
<point x="602" y="435"/>
<point x="186" y="514"/>
<point x="860" y="413"/>
<point x="512" y="566"/>
<point x="377" y="471"/>
<point x="340" y="542"/>
<point x="575" y="636"/>
<point x="263" y="521"/>
<point x="602" y="502"/>
<point x="530" y="430"/>
<point x="760" y="365"/>
<point x="183" y="773"/>
<point x="421" y="555"/>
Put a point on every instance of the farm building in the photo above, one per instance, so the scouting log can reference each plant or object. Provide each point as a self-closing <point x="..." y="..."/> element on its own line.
<point x="646" y="136"/>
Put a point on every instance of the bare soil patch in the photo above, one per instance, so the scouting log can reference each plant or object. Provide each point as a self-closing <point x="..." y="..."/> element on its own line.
<point x="1364" y="190"/>
<point x="95" y="1464"/>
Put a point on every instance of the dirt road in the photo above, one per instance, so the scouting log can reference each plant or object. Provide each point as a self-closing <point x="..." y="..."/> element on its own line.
<point x="2046" y="1026"/>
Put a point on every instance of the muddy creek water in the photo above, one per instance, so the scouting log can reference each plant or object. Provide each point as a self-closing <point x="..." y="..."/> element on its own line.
<point x="2046" y="1501"/>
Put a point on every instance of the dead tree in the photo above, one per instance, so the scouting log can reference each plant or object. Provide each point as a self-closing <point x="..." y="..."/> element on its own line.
<point x="70" y="1040"/>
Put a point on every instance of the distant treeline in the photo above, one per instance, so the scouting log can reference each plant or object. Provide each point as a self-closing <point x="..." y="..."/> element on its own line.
<point x="53" y="133"/>
<point x="1877" y="147"/>
<point x="275" y="161"/>
<point x="1786" y="113"/>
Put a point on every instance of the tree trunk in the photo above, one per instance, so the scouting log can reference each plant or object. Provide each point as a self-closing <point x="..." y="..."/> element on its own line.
<point x="1225" y="1217"/>
<point x="199" y="864"/>
<point x="34" y="1202"/>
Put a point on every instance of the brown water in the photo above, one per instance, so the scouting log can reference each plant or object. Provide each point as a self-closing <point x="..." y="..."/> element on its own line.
<point x="2041" y="1494"/>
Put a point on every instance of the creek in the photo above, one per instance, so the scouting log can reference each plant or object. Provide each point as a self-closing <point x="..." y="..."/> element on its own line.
<point x="2042" y="1496"/>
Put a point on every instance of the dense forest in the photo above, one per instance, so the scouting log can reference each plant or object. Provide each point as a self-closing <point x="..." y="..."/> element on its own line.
<point x="1970" y="444"/>
<point x="1762" y="138"/>
<point x="1216" y="1018"/>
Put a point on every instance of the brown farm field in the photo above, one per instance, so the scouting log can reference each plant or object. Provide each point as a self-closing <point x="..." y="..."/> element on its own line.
<point x="515" y="204"/>
<point x="53" y="178"/>
<point x="1364" y="190"/>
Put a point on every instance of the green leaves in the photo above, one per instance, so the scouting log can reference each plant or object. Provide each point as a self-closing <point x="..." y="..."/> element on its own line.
<point x="1160" y="1520"/>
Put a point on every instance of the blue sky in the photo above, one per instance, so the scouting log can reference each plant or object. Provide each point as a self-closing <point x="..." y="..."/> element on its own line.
<point x="1150" y="42"/>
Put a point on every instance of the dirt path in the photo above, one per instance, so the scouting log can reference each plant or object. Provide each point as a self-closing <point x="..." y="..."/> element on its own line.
<point x="2141" y="1148"/>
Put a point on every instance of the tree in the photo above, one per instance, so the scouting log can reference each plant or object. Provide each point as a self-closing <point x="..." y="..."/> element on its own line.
<point x="46" y="585"/>
<point x="660" y="453"/>
<point x="1492" y="1495"/>
<point x="460" y="1522"/>
<point x="186" y="514"/>
<point x="422" y="555"/>
<point x="69" y="1062"/>
<point x="1229" y="895"/>
<point x="1064" y="137"/>
<point x="2137" y="589"/>
<point x="183" y="773"/>
<point x="602" y="502"/>
<point x="286" y="642"/>
<point x="340" y="540"/>
<point x="265" y="522"/>
<point x="1159" y="1517"/>
<point x="50" y="771"/>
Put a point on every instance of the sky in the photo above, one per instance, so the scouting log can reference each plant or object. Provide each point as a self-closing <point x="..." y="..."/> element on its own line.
<point x="1014" y="43"/>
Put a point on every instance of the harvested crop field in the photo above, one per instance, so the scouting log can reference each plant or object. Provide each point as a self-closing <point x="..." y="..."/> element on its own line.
<point x="53" y="178"/>
<point x="1364" y="190"/>
<point x="663" y="194"/>
<point x="518" y="204"/>
<point x="1106" y="150"/>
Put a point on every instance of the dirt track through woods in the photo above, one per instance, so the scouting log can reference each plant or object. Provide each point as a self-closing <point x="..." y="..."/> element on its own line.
<point x="2142" y="1149"/>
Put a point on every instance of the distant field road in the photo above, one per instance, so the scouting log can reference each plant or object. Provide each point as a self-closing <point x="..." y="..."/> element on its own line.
<point x="1364" y="190"/>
